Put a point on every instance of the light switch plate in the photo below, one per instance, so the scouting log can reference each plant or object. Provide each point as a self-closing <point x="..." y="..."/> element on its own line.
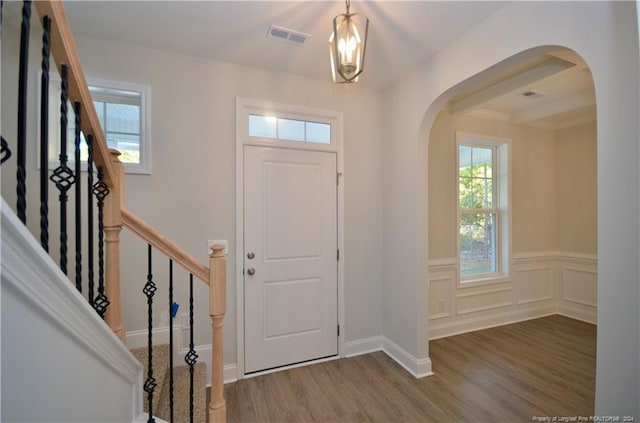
<point x="212" y="242"/>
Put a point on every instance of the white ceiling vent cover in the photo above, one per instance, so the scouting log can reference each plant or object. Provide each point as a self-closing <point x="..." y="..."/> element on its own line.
<point x="288" y="35"/>
<point x="532" y="94"/>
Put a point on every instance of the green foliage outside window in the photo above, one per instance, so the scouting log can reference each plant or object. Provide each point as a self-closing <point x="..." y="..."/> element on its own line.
<point x="477" y="214"/>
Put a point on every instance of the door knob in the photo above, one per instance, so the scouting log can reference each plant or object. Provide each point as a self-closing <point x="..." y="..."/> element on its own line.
<point x="250" y="255"/>
<point x="251" y="271"/>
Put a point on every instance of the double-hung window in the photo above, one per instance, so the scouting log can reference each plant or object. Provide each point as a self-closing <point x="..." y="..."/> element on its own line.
<point x="483" y="228"/>
<point x="123" y="112"/>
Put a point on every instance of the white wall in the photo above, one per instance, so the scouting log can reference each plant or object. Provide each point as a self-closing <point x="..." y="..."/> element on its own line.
<point x="605" y="34"/>
<point x="190" y="195"/>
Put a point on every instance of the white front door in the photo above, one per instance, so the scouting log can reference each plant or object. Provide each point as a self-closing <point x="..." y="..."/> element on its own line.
<point x="290" y="256"/>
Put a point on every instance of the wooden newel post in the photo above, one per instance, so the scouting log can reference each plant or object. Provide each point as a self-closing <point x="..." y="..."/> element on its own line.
<point x="217" y="309"/>
<point x="112" y="226"/>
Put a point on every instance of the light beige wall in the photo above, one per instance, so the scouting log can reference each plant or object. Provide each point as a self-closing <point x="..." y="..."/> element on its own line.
<point x="190" y="195"/>
<point x="577" y="198"/>
<point x="532" y="188"/>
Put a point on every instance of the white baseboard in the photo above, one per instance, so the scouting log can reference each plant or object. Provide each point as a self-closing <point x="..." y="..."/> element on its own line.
<point x="363" y="346"/>
<point x="417" y="367"/>
<point x="578" y="312"/>
<point x="230" y="373"/>
<point x="459" y="327"/>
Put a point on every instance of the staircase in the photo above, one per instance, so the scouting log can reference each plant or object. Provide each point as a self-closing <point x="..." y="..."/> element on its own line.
<point x="181" y="408"/>
<point x="71" y="326"/>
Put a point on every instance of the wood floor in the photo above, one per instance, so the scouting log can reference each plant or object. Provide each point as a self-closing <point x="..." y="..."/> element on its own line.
<point x="541" y="367"/>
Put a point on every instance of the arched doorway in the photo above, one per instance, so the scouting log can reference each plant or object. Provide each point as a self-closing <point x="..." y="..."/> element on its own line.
<point x="513" y="231"/>
<point x="513" y="226"/>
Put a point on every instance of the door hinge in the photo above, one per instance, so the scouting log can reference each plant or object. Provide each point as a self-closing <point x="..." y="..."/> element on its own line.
<point x="338" y="175"/>
<point x="338" y="254"/>
<point x="338" y="330"/>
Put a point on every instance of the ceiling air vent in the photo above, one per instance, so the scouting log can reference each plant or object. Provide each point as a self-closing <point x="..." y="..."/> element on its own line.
<point x="531" y="94"/>
<point x="288" y="35"/>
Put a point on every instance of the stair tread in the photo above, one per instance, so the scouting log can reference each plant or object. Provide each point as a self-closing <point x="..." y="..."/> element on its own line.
<point x="181" y="395"/>
<point x="160" y="361"/>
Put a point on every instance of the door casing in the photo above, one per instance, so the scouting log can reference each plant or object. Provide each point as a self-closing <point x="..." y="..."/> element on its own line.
<point x="244" y="107"/>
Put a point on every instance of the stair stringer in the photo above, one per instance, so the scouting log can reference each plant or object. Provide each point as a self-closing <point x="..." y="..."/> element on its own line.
<point x="60" y="361"/>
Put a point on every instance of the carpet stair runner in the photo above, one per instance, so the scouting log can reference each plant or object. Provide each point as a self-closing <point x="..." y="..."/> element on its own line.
<point x="160" y="359"/>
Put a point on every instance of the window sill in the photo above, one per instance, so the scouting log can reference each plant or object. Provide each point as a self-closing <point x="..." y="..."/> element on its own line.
<point x="481" y="281"/>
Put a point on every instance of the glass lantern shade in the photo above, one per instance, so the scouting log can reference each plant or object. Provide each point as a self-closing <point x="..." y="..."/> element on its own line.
<point x="347" y="46"/>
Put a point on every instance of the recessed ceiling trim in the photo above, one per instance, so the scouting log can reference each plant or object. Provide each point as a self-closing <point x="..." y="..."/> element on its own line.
<point x="537" y="72"/>
<point x="287" y="35"/>
<point x="562" y="105"/>
<point x="490" y="114"/>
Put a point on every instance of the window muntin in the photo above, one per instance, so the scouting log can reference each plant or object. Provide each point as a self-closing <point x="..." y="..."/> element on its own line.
<point x="482" y="177"/>
<point x="289" y="129"/>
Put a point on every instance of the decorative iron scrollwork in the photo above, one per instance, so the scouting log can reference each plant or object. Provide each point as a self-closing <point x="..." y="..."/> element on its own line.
<point x="5" y="153"/>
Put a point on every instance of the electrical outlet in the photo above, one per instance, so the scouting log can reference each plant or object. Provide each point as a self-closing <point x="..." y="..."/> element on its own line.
<point x="184" y="320"/>
<point x="212" y="242"/>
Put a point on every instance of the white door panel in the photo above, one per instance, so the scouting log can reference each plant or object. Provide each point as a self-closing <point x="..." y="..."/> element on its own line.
<point x="290" y="224"/>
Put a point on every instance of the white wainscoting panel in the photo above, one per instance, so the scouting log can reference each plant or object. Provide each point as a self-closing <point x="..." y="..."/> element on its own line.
<point x="473" y="302"/>
<point x="535" y="284"/>
<point x="442" y="282"/>
<point x="534" y="278"/>
<point x="542" y="283"/>
<point x="578" y="286"/>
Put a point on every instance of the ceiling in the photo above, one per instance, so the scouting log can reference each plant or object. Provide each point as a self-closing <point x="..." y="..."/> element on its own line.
<point x="552" y="91"/>
<point x="402" y="35"/>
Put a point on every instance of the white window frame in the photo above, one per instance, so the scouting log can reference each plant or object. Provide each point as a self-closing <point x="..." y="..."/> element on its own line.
<point x="502" y="202"/>
<point x="144" y="167"/>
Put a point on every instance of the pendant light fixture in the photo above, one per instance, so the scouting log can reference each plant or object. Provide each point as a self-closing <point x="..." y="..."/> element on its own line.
<point x="347" y="45"/>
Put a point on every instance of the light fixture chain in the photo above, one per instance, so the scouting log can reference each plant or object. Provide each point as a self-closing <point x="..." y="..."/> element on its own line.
<point x="348" y="3"/>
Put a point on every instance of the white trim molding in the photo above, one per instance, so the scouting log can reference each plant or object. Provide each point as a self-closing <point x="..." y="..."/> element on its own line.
<point x="542" y="283"/>
<point x="363" y="346"/>
<point x="417" y="367"/>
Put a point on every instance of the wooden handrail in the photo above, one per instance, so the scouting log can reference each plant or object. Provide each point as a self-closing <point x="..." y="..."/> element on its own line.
<point x="63" y="50"/>
<point x="164" y="244"/>
<point x="116" y="215"/>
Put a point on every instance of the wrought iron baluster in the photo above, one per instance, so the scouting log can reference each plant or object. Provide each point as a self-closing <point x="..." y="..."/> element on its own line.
<point x="21" y="187"/>
<point x="170" y="340"/>
<point x="150" y="383"/>
<point x="5" y="153"/>
<point x="90" y="226"/>
<point x="191" y="356"/>
<point x="63" y="176"/>
<point x="100" y="190"/>
<point x="78" y="203"/>
<point x="44" y="135"/>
